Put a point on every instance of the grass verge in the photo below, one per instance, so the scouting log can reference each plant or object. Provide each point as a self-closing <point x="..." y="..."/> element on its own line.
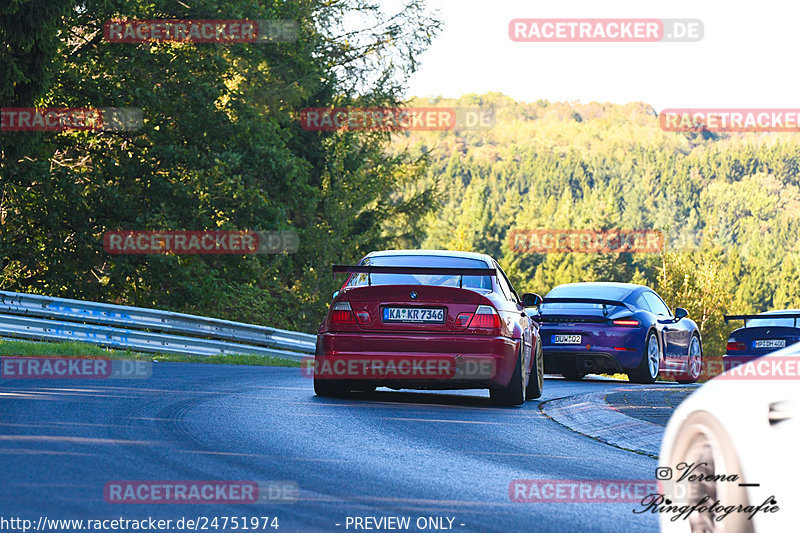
<point x="80" y="349"/>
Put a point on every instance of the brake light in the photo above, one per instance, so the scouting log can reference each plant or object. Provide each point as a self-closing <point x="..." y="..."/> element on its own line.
<point x="734" y="346"/>
<point x="342" y="313"/>
<point x="463" y="319"/>
<point x="485" y="318"/>
<point x="630" y="322"/>
<point x="363" y="317"/>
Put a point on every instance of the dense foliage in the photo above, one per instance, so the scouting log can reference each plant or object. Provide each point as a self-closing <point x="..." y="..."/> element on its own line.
<point x="220" y="148"/>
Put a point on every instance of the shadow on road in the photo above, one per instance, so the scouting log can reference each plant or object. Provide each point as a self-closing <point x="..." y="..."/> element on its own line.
<point x="477" y="398"/>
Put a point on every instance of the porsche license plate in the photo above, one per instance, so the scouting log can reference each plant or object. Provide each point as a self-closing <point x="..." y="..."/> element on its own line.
<point x="414" y="315"/>
<point x="566" y="339"/>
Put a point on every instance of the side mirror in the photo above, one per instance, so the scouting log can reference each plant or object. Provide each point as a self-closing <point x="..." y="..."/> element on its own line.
<point x="680" y="313"/>
<point x="530" y="299"/>
<point x="335" y="294"/>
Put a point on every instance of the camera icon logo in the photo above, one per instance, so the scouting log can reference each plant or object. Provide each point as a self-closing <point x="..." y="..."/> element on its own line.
<point x="663" y="473"/>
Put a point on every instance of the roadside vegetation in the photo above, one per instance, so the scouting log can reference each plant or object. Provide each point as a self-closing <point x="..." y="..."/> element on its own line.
<point x="220" y="148"/>
<point x="78" y="350"/>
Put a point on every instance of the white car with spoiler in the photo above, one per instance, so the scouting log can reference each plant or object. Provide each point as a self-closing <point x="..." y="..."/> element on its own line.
<point x="732" y="451"/>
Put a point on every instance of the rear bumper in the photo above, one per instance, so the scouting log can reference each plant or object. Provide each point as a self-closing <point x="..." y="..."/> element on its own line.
<point x="731" y="360"/>
<point x="589" y="361"/>
<point x="602" y="349"/>
<point x="473" y="361"/>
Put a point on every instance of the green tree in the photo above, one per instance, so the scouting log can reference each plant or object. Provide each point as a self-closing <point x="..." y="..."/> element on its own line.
<point x="220" y="147"/>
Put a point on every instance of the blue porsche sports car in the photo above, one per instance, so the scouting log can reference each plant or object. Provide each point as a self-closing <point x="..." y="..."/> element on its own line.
<point x="762" y="334"/>
<point x="617" y="327"/>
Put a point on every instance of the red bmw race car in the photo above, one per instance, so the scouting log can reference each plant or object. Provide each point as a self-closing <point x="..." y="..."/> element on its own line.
<point x="429" y="319"/>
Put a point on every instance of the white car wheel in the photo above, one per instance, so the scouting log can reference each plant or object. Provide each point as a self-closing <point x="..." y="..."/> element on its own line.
<point x="703" y="442"/>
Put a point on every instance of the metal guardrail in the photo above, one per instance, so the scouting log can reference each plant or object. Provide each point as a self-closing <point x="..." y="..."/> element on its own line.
<point x="34" y="317"/>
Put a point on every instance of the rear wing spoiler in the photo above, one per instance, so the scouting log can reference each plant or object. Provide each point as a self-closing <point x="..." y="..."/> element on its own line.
<point x="795" y="316"/>
<point x="445" y="271"/>
<point x="569" y="318"/>
<point x="601" y="301"/>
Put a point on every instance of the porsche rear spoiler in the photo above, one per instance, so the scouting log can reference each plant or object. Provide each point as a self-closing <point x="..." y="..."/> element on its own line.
<point x="445" y="271"/>
<point x="795" y="316"/>
<point x="601" y="301"/>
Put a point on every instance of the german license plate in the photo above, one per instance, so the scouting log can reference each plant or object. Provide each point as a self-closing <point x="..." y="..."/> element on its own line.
<point x="770" y="343"/>
<point x="566" y="339"/>
<point x="414" y="315"/>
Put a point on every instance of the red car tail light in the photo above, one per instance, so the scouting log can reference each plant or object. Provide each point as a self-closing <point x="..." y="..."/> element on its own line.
<point x="630" y="322"/>
<point x="363" y="317"/>
<point x="485" y="318"/>
<point x="734" y="346"/>
<point x="463" y="319"/>
<point x="342" y="313"/>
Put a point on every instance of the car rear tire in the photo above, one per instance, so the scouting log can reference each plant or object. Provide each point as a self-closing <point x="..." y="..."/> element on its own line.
<point x="694" y="362"/>
<point x="329" y="387"/>
<point x="536" y="379"/>
<point x="324" y="386"/>
<point x="366" y="389"/>
<point x="647" y="371"/>
<point x="572" y="374"/>
<point x="514" y="392"/>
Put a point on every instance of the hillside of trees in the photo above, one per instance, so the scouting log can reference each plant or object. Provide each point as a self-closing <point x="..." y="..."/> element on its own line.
<point x="729" y="204"/>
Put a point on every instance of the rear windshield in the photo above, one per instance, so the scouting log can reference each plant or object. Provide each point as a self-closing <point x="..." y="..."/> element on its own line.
<point x="584" y="291"/>
<point x="573" y="306"/>
<point x="767" y="322"/>
<point x="589" y="291"/>
<point x="480" y="283"/>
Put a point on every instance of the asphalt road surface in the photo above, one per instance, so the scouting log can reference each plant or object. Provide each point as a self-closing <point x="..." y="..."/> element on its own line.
<point x="404" y="454"/>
